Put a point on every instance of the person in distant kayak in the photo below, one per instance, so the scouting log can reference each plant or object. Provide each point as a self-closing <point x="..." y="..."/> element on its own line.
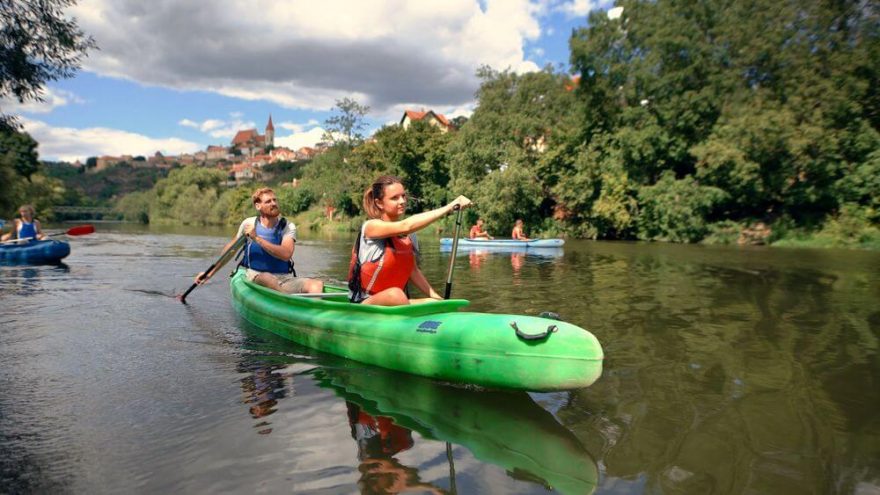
<point x="384" y="256"/>
<point x="27" y="227"/>
<point x="268" y="253"/>
<point x="517" y="233"/>
<point x="477" y="231"/>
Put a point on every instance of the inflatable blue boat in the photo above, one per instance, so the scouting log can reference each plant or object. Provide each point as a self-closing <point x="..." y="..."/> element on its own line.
<point x="34" y="252"/>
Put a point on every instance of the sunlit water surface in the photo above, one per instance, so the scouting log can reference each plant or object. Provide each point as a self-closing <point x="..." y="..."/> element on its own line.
<point x="727" y="371"/>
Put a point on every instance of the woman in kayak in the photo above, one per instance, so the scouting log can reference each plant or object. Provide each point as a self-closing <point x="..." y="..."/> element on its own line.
<point x="27" y="227"/>
<point x="517" y="233"/>
<point x="384" y="256"/>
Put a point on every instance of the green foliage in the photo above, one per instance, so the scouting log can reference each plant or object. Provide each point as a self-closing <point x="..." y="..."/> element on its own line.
<point x="104" y="186"/>
<point x="22" y="178"/>
<point x="506" y="195"/>
<point x="19" y="151"/>
<point x="135" y="207"/>
<point x="417" y="155"/>
<point x="293" y="200"/>
<point x="188" y="196"/>
<point x="676" y="210"/>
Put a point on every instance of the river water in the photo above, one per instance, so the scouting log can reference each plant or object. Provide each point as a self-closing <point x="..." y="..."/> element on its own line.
<point x="727" y="370"/>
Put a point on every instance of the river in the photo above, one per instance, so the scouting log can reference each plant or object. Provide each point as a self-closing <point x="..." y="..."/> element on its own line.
<point x="728" y="370"/>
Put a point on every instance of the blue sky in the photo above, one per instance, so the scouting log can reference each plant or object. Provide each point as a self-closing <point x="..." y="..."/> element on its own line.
<point x="175" y="76"/>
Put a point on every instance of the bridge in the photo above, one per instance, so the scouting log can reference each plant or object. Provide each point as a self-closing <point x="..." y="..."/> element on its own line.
<point x="83" y="212"/>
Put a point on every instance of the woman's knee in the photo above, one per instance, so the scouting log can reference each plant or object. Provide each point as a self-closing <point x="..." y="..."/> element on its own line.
<point x="393" y="296"/>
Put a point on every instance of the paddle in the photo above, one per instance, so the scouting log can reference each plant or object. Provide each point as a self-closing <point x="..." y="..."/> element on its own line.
<point x="454" y="249"/>
<point x="73" y="231"/>
<point x="77" y="230"/>
<point x="222" y="260"/>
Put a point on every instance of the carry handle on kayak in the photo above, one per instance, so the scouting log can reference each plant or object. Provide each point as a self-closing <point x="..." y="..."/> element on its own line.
<point x="536" y="336"/>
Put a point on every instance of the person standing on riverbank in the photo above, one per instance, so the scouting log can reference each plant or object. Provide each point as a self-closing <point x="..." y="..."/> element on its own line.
<point x="268" y="254"/>
<point x="27" y="227"/>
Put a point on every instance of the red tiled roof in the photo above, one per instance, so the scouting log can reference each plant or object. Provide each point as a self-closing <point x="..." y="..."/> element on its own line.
<point x="242" y="137"/>
<point x="416" y="115"/>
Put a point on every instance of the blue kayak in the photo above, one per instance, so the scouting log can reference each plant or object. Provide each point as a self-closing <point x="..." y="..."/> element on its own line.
<point x="34" y="252"/>
<point x="534" y="243"/>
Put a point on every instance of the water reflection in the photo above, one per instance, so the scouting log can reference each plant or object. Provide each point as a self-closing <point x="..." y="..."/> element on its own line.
<point x="25" y="280"/>
<point x="379" y="439"/>
<point x="505" y="429"/>
<point x="262" y="388"/>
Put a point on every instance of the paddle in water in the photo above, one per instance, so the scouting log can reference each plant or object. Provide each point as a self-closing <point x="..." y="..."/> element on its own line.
<point x="222" y="260"/>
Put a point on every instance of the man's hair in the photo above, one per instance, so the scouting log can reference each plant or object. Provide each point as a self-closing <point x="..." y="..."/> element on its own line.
<point x="255" y="197"/>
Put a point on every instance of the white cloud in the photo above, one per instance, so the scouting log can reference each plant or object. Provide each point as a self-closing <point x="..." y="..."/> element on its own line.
<point x="217" y="128"/>
<point x="52" y="99"/>
<point x="70" y="144"/>
<point x="579" y="8"/>
<point x="307" y="55"/>
<point x="293" y="126"/>
<point x="297" y="140"/>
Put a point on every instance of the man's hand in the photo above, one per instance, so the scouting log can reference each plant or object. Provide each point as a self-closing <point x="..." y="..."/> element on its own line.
<point x="201" y="278"/>
<point x="250" y="231"/>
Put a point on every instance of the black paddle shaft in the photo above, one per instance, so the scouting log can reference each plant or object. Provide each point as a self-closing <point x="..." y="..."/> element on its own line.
<point x="454" y="249"/>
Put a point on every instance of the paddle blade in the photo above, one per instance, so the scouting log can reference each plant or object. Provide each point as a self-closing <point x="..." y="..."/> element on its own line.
<point x="81" y="230"/>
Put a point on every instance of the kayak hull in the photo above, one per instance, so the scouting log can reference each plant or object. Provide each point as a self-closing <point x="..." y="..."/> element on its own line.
<point x="431" y="339"/>
<point x="34" y="252"/>
<point x="509" y="243"/>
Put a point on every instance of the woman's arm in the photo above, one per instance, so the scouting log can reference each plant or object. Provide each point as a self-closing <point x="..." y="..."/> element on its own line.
<point x="40" y="236"/>
<point x="380" y="229"/>
<point x="418" y="279"/>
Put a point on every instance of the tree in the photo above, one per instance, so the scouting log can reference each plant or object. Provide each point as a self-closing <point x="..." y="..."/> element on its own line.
<point x="38" y="44"/>
<point x="345" y="127"/>
<point x="18" y="150"/>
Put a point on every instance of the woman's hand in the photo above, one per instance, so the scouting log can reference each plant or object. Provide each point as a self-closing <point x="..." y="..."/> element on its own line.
<point x="461" y="202"/>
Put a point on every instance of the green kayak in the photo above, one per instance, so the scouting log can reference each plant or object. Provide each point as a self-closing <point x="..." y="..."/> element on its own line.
<point x="434" y="339"/>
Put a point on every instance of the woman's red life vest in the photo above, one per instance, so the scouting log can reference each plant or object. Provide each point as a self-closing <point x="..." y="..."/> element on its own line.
<point x="391" y="269"/>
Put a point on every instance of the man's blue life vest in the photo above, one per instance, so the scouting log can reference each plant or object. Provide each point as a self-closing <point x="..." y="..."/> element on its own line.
<point x="27" y="230"/>
<point x="257" y="259"/>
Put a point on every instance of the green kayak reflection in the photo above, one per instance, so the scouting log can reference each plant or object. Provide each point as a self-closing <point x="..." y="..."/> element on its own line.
<point x="505" y="429"/>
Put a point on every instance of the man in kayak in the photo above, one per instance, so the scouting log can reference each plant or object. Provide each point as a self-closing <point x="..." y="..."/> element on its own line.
<point x="477" y="231"/>
<point x="27" y="227"/>
<point x="384" y="256"/>
<point x="517" y="233"/>
<point x="268" y="254"/>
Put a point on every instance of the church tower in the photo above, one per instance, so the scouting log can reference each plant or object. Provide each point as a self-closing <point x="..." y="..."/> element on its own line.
<point x="270" y="132"/>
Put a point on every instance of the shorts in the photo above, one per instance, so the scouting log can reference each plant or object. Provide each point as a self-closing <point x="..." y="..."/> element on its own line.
<point x="288" y="282"/>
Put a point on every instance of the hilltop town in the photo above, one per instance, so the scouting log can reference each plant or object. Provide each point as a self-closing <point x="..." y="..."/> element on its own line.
<point x="247" y="155"/>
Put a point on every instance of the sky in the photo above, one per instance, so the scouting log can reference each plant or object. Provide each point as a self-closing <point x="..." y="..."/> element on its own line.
<point x="176" y="76"/>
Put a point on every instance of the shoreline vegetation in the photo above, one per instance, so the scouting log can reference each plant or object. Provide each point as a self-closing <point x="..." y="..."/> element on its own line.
<point x="748" y="124"/>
